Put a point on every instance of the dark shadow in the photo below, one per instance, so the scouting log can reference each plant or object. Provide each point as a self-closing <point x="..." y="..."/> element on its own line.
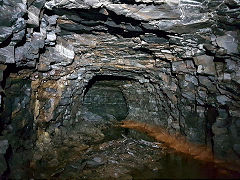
<point x="103" y="96"/>
<point x="212" y="114"/>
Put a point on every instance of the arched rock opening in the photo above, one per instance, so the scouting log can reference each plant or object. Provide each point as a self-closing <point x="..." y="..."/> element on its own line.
<point x="103" y="96"/>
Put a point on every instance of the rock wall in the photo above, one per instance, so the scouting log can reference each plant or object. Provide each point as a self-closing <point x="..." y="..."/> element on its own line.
<point x="181" y="56"/>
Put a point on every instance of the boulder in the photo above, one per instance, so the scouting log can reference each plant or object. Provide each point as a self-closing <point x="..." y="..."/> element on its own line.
<point x="229" y="42"/>
<point x="205" y="65"/>
<point x="7" y="55"/>
<point x="3" y="146"/>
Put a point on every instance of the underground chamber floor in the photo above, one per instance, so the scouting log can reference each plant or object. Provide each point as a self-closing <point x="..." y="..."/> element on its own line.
<point x="127" y="154"/>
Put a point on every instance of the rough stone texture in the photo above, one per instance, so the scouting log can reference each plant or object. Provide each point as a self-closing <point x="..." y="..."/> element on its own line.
<point x="3" y="165"/>
<point x="17" y="124"/>
<point x="181" y="57"/>
<point x="106" y="99"/>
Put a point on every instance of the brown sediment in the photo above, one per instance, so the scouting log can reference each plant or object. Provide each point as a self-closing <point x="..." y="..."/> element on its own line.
<point x="179" y="143"/>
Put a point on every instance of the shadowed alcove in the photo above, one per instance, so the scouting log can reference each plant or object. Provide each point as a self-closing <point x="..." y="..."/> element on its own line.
<point x="104" y="97"/>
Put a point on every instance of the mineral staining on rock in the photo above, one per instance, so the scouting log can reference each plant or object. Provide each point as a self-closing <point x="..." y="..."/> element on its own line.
<point x="177" y="62"/>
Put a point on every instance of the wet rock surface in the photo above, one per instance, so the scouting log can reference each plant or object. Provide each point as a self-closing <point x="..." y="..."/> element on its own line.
<point x="123" y="155"/>
<point x="105" y="99"/>
<point x="177" y="61"/>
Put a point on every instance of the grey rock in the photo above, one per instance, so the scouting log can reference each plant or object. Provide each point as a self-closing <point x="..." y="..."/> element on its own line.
<point x="191" y="78"/>
<point x="64" y="101"/>
<point x="206" y="82"/>
<point x="205" y="65"/>
<point x="152" y="38"/>
<point x="222" y="99"/>
<point x="75" y="27"/>
<point x="189" y="95"/>
<point x="223" y="113"/>
<point x="232" y="3"/>
<point x="167" y="25"/>
<point x="95" y="162"/>
<point x="7" y="55"/>
<point x="53" y="163"/>
<point x="219" y="131"/>
<point x="38" y="3"/>
<point x="34" y="13"/>
<point x="17" y="37"/>
<point x="19" y="25"/>
<point x="52" y="20"/>
<point x="3" y="146"/>
<point x="5" y="32"/>
<point x="44" y="67"/>
<point x="72" y="76"/>
<point x="68" y="4"/>
<point x="236" y="148"/>
<point x="51" y="36"/>
<point x="1" y="75"/>
<point x="221" y="123"/>
<point x="8" y="14"/>
<point x="33" y="16"/>
<point x="210" y="48"/>
<point x="3" y="164"/>
<point x="234" y="132"/>
<point x="29" y="52"/>
<point x="146" y="13"/>
<point x="89" y="116"/>
<point x="231" y="65"/>
<point x="228" y="42"/>
<point x="183" y="66"/>
<point x="238" y="123"/>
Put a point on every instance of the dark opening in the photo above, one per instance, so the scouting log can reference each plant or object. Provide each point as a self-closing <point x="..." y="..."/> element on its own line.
<point x="104" y="97"/>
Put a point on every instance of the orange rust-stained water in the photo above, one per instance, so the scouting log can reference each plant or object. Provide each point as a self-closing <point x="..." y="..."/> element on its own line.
<point x="179" y="143"/>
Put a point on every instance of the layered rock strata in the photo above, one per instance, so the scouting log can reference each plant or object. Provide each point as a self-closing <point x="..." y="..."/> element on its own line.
<point x="177" y="61"/>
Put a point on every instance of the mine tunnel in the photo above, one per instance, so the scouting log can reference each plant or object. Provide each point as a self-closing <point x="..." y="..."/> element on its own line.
<point x="104" y="97"/>
<point x="119" y="89"/>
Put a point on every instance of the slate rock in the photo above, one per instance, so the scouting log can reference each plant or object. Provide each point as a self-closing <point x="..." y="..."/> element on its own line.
<point x="64" y="101"/>
<point x="52" y="20"/>
<point x="89" y="116"/>
<point x="205" y="64"/>
<point x="5" y="32"/>
<point x="17" y="37"/>
<point x="95" y="162"/>
<point x="3" y="146"/>
<point x="183" y="66"/>
<point x="219" y="131"/>
<point x="228" y="42"/>
<point x="3" y="164"/>
<point x="236" y="148"/>
<point x="222" y="99"/>
<point x="7" y="55"/>
<point x="232" y="3"/>
<point x="33" y="16"/>
<point x="42" y="67"/>
<point x="34" y="12"/>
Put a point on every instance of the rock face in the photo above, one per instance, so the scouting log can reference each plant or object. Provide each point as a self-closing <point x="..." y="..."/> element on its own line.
<point x="178" y="61"/>
<point x="106" y="99"/>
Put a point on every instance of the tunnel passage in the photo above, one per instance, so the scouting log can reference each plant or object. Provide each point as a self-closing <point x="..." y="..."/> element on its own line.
<point x="105" y="98"/>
